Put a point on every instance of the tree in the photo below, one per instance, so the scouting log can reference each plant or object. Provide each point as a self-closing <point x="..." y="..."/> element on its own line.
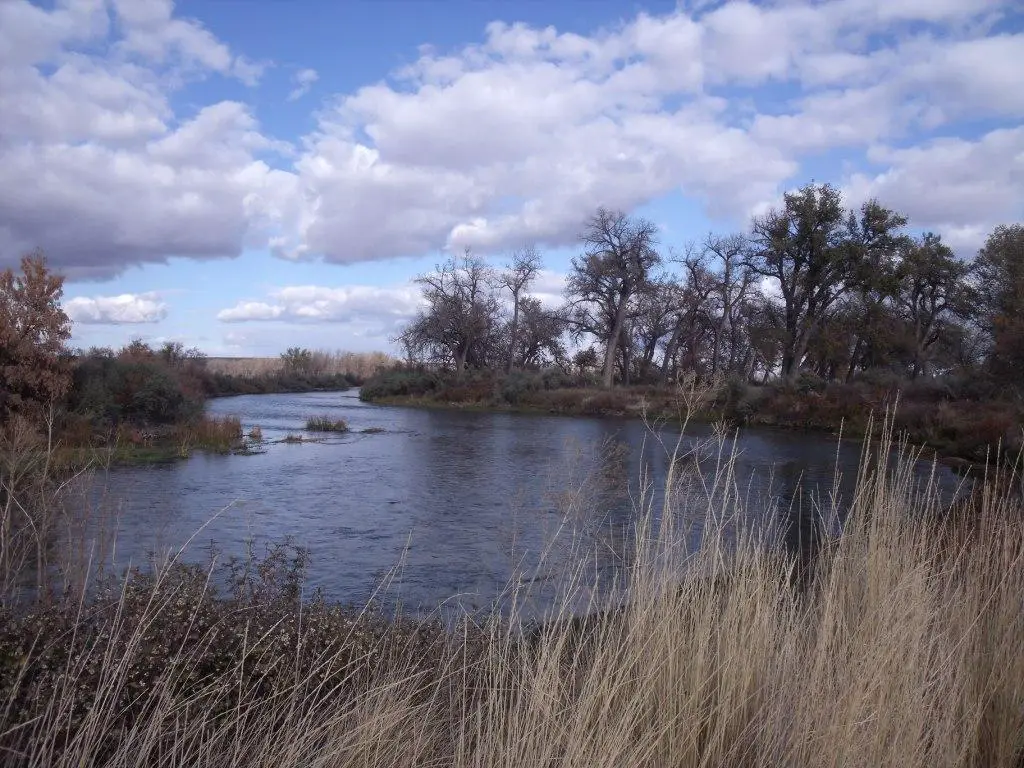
<point x="517" y="277"/>
<point x="459" y="325"/>
<point x="603" y="283"/>
<point x="873" y="244"/>
<point x="297" y="361"/>
<point x="538" y="339"/>
<point x="733" y="289"/>
<point x="932" y="287"/>
<point x="816" y="252"/>
<point x="693" y="313"/>
<point x="34" y="368"/>
<point x="1000" y="272"/>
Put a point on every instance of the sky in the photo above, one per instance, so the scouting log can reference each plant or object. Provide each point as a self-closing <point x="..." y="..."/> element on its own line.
<point x="248" y="175"/>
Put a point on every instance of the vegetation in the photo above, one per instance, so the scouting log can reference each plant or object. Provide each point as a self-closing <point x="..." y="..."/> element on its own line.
<point x="814" y="318"/>
<point x="355" y="367"/>
<point x="897" y="645"/>
<point x="34" y="369"/>
<point x="325" y="424"/>
<point x="811" y="287"/>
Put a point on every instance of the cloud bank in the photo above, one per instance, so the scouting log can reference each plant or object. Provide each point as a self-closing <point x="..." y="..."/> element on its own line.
<point x="510" y="140"/>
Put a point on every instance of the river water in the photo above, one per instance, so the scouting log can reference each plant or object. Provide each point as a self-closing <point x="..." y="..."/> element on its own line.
<point x="446" y="505"/>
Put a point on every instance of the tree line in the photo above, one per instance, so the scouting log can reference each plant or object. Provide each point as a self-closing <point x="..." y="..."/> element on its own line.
<point x="811" y="288"/>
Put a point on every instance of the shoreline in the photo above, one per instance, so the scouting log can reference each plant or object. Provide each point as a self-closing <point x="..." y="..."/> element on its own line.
<point x="849" y="429"/>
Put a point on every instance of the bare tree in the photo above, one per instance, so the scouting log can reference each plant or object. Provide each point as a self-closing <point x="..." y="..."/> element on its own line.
<point x="539" y="339"/>
<point x="460" y="321"/>
<point x="516" y="278"/>
<point x="619" y="255"/>
<point x="734" y="288"/>
<point x="693" y="312"/>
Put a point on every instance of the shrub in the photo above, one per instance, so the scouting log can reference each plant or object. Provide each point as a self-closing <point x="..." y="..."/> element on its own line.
<point x="135" y="386"/>
<point x="325" y="424"/>
<point x="517" y="384"/>
<point x="399" y="383"/>
<point x="808" y="381"/>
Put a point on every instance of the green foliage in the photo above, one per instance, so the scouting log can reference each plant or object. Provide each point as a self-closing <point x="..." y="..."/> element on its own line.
<point x="808" y="381"/>
<point x="399" y="382"/>
<point x="135" y="386"/>
<point x="513" y="387"/>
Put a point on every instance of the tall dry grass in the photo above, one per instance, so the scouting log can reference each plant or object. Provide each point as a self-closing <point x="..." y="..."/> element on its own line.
<point x="903" y="646"/>
<point x="359" y="365"/>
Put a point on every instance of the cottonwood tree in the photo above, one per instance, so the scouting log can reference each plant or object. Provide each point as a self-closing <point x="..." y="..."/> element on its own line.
<point x="874" y="241"/>
<point x="459" y="324"/>
<point x="932" y="289"/>
<point x="813" y="250"/>
<point x="733" y="291"/>
<point x="604" y="281"/>
<point x="1000" y="280"/>
<point x="34" y="368"/>
<point x="538" y="337"/>
<point x="692" y="320"/>
<point x="523" y="270"/>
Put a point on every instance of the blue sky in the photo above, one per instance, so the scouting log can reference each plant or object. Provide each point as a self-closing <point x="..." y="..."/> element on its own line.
<point x="248" y="175"/>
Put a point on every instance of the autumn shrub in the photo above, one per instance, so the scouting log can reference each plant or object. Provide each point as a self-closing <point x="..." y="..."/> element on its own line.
<point x="134" y="386"/>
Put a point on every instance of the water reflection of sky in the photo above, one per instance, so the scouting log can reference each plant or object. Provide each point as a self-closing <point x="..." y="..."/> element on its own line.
<point x="453" y="503"/>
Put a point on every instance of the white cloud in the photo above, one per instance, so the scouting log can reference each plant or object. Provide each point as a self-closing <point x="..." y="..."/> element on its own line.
<point x="961" y="189"/>
<point x="358" y="304"/>
<point x="303" y="80"/>
<point x="511" y="140"/>
<point x="116" y="310"/>
<point x="95" y="166"/>
<point x="250" y="310"/>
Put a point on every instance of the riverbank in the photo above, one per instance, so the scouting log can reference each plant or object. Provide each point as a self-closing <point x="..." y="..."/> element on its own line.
<point x="962" y="431"/>
<point x="903" y="649"/>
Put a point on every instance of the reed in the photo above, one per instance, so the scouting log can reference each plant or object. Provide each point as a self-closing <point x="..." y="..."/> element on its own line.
<point x="900" y="647"/>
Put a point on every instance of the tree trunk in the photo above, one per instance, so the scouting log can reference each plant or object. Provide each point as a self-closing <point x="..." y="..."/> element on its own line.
<point x="460" y="361"/>
<point x="515" y="333"/>
<point x="613" y="344"/>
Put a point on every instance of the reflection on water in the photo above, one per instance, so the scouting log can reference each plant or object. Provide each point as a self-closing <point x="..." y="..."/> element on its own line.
<point x="452" y="503"/>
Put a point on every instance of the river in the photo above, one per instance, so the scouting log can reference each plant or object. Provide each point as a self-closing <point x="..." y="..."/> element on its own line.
<point x="449" y="503"/>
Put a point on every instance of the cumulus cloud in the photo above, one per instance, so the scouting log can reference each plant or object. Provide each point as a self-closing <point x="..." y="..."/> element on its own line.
<point x="116" y="310"/>
<point x="95" y="166"/>
<point x="303" y="80"/>
<point x="513" y="139"/>
<point x="961" y="189"/>
<point x="358" y="309"/>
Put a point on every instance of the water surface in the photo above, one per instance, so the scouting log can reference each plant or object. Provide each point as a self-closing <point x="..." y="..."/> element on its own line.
<point x="456" y="501"/>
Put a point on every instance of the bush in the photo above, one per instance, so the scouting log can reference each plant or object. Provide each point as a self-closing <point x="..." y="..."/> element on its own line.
<point x="399" y="383"/>
<point x="135" y="386"/>
<point x="517" y="384"/>
<point x="808" y="381"/>
<point x="326" y="424"/>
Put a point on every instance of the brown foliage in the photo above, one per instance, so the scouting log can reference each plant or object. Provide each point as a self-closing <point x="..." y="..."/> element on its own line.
<point x="33" y="330"/>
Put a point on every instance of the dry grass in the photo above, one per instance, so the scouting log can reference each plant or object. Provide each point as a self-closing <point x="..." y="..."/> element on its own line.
<point x="903" y="647"/>
<point x="359" y="365"/>
<point x="325" y="423"/>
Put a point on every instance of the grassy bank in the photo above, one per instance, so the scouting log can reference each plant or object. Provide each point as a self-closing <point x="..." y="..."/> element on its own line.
<point x="935" y="413"/>
<point x="902" y="648"/>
